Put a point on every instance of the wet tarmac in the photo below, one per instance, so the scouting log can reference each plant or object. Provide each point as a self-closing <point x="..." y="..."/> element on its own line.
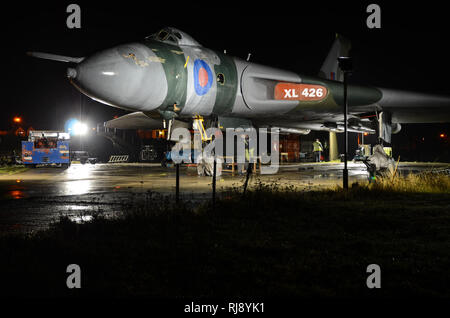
<point x="32" y="199"/>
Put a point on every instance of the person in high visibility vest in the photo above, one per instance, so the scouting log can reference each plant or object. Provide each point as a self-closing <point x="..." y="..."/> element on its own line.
<point x="249" y="151"/>
<point x="318" y="148"/>
<point x="249" y="155"/>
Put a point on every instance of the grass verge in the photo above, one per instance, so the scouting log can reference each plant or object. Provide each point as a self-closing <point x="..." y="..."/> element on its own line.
<point x="12" y="169"/>
<point x="275" y="242"/>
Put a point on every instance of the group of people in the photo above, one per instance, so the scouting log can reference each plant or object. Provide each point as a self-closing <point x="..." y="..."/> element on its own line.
<point x="249" y="152"/>
<point x="205" y="165"/>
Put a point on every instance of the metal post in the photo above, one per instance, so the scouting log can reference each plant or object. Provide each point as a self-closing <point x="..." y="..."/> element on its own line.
<point x="214" y="184"/>
<point x="177" y="190"/>
<point x="345" y="64"/>
<point x="334" y="154"/>
<point x="249" y="171"/>
<point x="345" y="172"/>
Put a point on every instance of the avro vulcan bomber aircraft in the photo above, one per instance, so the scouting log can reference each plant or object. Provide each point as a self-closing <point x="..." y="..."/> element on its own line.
<point x="170" y="77"/>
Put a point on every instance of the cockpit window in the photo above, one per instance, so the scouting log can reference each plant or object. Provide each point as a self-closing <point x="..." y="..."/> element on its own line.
<point x="162" y="35"/>
<point x="174" y="37"/>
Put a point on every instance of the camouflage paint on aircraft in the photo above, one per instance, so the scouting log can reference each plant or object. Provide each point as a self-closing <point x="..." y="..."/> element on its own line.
<point x="172" y="73"/>
<point x="227" y="85"/>
<point x="203" y="82"/>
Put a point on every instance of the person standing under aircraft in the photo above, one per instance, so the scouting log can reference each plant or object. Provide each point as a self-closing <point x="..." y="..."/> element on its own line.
<point x="249" y="155"/>
<point x="318" y="148"/>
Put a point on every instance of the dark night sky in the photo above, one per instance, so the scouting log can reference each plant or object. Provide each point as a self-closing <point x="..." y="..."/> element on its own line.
<point x="409" y="52"/>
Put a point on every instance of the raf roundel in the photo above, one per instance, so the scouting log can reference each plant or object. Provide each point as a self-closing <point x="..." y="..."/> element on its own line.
<point x="203" y="77"/>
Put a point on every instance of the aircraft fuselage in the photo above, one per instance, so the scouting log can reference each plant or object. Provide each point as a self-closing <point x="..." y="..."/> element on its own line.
<point x="188" y="80"/>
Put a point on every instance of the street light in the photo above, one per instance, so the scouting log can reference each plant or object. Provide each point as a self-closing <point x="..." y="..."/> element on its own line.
<point x="79" y="128"/>
<point x="17" y="119"/>
<point x="346" y="65"/>
<point x="75" y="127"/>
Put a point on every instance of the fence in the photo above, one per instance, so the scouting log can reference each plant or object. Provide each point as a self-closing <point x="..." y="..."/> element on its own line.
<point x="118" y="159"/>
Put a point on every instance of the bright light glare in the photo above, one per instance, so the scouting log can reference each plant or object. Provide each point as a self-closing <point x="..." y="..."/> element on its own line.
<point x="75" y="127"/>
<point x="79" y="129"/>
<point x="79" y="179"/>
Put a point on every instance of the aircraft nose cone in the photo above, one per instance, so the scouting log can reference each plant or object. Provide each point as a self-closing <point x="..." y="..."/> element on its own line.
<point x="128" y="76"/>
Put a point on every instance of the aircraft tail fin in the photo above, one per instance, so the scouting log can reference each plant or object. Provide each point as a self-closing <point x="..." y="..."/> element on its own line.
<point x="330" y="69"/>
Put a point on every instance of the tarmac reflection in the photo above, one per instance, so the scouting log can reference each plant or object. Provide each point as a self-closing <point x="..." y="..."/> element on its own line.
<point x="80" y="179"/>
